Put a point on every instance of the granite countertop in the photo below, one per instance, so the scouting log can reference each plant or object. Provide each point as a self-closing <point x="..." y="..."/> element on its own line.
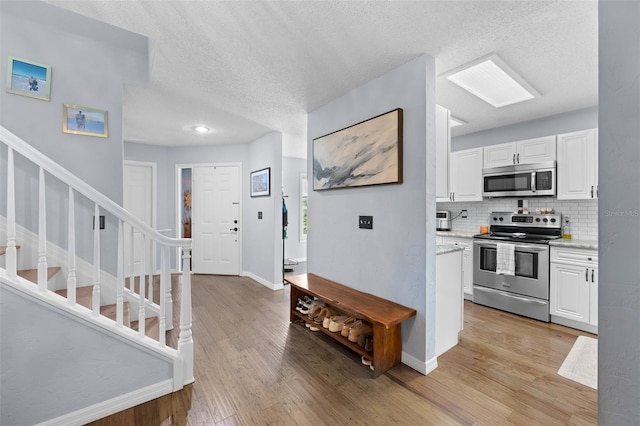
<point x="447" y="248"/>
<point x="458" y="234"/>
<point x="583" y="244"/>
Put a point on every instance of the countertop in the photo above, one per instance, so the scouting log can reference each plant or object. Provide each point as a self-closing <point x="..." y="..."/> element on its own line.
<point x="459" y="234"/>
<point x="447" y="248"/>
<point x="583" y="244"/>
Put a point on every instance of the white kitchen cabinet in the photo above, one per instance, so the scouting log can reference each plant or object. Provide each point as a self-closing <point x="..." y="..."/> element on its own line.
<point x="466" y="175"/>
<point x="573" y="297"/>
<point x="443" y="149"/>
<point x="578" y="165"/>
<point x="467" y="262"/>
<point x="528" y="151"/>
<point x="449" y="301"/>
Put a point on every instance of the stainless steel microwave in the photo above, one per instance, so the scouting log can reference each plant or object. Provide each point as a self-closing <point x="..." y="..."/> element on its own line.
<point x="521" y="180"/>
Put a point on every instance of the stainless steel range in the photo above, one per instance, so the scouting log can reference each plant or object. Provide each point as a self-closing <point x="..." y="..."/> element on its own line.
<point x="522" y="239"/>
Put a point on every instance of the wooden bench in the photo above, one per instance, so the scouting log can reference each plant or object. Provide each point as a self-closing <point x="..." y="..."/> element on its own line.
<point x="384" y="316"/>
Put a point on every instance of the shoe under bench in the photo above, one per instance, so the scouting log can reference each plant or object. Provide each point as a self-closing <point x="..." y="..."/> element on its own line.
<point x="384" y="316"/>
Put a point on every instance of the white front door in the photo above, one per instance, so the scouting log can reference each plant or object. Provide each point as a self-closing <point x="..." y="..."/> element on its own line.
<point x="216" y="228"/>
<point x="138" y="200"/>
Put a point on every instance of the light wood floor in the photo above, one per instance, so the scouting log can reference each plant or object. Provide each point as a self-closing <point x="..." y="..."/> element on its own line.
<point x="253" y="367"/>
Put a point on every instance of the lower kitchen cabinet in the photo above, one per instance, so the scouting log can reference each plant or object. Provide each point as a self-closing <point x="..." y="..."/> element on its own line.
<point x="574" y="288"/>
<point x="467" y="262"/>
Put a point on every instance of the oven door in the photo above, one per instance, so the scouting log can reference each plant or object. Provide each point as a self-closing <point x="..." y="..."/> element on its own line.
<point x="531" y="269"/>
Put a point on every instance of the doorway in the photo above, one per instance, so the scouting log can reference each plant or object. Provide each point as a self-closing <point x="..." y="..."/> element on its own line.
<point x="210" y="212"/>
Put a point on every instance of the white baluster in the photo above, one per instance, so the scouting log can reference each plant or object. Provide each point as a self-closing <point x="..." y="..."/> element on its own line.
<point x="71" y="247"/>
<point x="185" y="343"/>
<point x="168" y="297"/>
<point x="120" y="276"/>
<point x="11" y="253"/>
<point x="42" y="234"/>
<point x="164" y="277"/>
<point x="141" y="310"/>
<point x="151" y="270"/>
<point x="132" y="273"/>
<point x="95" y="301"/>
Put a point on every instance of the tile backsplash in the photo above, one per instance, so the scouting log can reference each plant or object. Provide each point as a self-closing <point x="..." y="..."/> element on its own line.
<point x="583" y="215"/>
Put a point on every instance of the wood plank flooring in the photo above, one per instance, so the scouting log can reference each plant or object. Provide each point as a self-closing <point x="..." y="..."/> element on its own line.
<point x="253" y="367"/>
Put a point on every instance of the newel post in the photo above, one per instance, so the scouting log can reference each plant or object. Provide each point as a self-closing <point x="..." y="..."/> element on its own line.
<point x="185" y="343"/>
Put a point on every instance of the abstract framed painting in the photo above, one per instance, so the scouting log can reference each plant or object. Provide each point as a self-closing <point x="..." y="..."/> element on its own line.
<point x="366" y="153"/>
<point x="28" y="78"/>
<point x="260" y="182"/>
<point x="84" y="121"/>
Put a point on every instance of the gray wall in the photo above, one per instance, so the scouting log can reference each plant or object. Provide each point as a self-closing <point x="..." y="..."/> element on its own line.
<point x="561" y="123"/>
<point x="619" y="221"/>
<point x="56" y="364"/>
<point x="394" y="260"/>
<point x="90" y="65"/>
<point x="291" y="170"/>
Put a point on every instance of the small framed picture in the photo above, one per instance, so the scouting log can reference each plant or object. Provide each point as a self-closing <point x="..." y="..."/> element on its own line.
<point x="28" y="78"/>
<point x="261" y="183"/>
<point x="84" y="121"/>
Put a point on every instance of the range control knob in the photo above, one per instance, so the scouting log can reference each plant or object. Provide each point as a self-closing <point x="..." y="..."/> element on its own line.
<point x="501" y="219"/>
<point x="495" y="218"/>
<point x="537" y="219"/>
<point x="553" y="220"/>
<point x="545" y="220"/>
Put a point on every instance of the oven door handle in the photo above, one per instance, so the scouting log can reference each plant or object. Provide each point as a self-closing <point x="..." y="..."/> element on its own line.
<point x="511" y="295"/>
<point x="522" y="247"/>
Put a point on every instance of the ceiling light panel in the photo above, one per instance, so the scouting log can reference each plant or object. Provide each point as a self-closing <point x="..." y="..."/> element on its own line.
<point x="493" y="81"/>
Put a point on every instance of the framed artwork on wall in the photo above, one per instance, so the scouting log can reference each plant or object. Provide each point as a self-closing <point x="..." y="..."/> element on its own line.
<point x="28" y="78"/>
<point x="367" y="153"/>
<point x="261" y="183"/>
<point x="84" y="121"/>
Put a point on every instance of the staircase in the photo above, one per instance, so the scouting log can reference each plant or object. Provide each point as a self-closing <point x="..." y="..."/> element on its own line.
<point x="94" y="307"/>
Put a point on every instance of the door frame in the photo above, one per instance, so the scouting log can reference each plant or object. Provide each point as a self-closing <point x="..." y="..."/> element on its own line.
<point x="154" y="195"/>
<point x="178" y="203"/>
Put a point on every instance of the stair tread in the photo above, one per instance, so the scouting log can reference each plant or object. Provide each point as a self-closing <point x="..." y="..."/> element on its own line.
<point x="84" y="297"/>
<point x="3" y="249"/>
<point x="151" y="327"/>
<point x="32" y="274"/>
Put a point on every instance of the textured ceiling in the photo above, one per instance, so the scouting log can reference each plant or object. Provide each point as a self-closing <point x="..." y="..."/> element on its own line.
<point x="248" y="68"/>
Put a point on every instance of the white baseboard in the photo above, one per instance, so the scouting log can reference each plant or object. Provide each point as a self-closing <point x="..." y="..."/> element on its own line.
<point x="574" y="324"/>
<point x="113" y="405"/>
<point x="420" y="366"/>
<point x="269" y="285"/>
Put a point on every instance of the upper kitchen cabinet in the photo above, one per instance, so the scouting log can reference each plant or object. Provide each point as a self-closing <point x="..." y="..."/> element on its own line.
<point x="443" y="148"/>
<point x="578" y="165"/>
<point x="466" y="175"/>
<point x="529" y="151"/>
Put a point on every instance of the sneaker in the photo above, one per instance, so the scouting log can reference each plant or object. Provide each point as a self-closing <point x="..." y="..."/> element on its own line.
<point x="366" y="361"/>
<point x="357" y="330"/>
<point x="315" y="311"/>
<point x="368" y="345"/>
<point x="336" y="323"/>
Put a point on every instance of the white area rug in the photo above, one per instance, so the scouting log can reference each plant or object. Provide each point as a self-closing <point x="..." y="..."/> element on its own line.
<point x="581" y="365"/>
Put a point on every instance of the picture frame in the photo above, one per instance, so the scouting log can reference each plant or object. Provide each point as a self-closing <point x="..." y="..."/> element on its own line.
<point x="364" y="154"/>
<point x="28" y="78"/>
<point x="86" y="121"/>
<point x="260" y="182"/>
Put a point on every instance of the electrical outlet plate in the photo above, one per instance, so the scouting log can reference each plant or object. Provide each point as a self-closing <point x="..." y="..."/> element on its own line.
<point x="464" y="214"/>
<point x="365" y="222"/>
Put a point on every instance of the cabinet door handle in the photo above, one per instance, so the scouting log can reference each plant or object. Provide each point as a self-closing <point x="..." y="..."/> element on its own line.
<point x="586" y="275"/>
<point x="518" y="158"/>
<point x="514" y="159"/>
<point x="591" y="191"/>
<point x="597" y="191"/>
<point x="592" y="280"/>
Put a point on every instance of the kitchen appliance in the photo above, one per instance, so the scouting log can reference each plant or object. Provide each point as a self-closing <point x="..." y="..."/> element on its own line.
<point x="443" y="220"/>
<point x="526" y="292"/>
<point x="521" y="180"/>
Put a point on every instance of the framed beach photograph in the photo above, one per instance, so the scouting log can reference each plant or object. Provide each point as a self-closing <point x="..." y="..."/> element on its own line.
<point x="84" y="121"/>
<point x="28" y="78"/>
<point x="366" y="153"/>
<point x="261" y="183"/>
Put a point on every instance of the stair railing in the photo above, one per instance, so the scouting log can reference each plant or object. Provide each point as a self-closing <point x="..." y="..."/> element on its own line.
<point x="161" y="242"/>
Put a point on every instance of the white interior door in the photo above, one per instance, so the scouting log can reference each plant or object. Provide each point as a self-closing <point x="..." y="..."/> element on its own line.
<point x="138" y="200"/>
<point x="215" y="221"/>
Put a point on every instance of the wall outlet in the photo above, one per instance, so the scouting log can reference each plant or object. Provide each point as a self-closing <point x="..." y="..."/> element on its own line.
<point x="259" y="215"/>
<point x="464" y="214"/>
<point x="365" y="222"/>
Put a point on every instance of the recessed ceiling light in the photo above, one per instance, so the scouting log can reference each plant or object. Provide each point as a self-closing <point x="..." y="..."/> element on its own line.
<point x="493" y="81"/>
<point x="201" y="129"/>
<point x="455" y="121"/>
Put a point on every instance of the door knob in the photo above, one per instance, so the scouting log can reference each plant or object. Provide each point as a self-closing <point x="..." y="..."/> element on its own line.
<point x="234" y="229"/>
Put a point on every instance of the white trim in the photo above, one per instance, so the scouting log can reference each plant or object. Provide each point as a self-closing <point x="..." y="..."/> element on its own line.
<point x="589" y="328"/>
<point x="154" y="186"/>
<point x="418" y="365"/>
<point x="113" y="405"/>
<point x="269" y="285"/>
